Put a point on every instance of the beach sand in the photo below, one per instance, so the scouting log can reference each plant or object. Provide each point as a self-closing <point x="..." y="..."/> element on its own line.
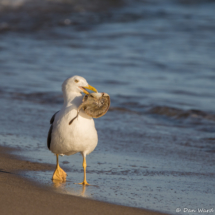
<point x="22" y="196"/>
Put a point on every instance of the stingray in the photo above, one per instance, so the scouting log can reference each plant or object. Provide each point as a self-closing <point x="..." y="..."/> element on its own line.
<point x="94" y="105"/>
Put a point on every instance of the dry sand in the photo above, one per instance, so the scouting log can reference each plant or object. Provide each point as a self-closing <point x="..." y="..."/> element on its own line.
<point x="21" y="196"/>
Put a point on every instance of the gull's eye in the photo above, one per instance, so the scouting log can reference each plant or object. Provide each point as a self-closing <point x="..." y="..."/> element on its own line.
<point x="76" y="81"/>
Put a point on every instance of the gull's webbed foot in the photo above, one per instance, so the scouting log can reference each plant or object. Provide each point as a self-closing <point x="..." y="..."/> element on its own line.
<point x="59" y="174"/>
<point x="84" y="183"/>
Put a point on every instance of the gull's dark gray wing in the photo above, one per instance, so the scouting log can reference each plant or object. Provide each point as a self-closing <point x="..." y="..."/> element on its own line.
<point x="50" y="131"/>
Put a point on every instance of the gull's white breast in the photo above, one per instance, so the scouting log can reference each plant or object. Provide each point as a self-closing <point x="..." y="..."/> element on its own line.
<point x="80" y="136"/>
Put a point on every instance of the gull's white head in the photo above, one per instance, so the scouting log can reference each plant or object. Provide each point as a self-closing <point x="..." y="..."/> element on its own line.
<point x="75" y="85"/>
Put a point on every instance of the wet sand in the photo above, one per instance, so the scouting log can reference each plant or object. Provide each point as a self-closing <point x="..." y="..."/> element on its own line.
<point x="22" y="196"/>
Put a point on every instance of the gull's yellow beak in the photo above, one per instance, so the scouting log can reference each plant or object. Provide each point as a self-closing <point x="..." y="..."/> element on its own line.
<point x="89" y="88"/>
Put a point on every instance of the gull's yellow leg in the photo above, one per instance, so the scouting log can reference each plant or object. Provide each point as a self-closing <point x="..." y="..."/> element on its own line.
<point x="84" y="167"/>
<point x="59" y="173"/>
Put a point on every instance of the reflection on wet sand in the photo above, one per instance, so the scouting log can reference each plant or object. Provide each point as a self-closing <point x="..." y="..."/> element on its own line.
<point x="63" y="188"/>
<point x="58" y="184"/>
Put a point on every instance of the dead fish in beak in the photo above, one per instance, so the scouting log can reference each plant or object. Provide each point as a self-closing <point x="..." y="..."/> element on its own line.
<point x="94" y="105"/>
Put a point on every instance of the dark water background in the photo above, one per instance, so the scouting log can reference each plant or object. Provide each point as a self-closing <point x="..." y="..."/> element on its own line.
<point x="154" y="58"/>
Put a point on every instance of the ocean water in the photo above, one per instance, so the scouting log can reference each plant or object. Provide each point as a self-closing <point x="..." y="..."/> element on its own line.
<point x="155" y="59"/>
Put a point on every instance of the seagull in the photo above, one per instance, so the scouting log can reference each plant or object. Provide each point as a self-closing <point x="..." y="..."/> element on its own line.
<point x="81" y="136"/>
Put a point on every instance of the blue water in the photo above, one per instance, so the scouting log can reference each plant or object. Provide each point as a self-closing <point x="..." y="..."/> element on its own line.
<point x="155" y="60"/>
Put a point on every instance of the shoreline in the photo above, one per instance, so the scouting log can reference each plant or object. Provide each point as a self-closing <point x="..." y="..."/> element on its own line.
<point x="23" y="196"/>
